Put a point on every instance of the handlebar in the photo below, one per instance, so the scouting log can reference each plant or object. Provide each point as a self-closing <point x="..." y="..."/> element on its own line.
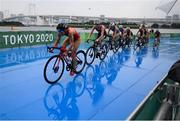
<point x="61" y="49"/>
<point x="50" y="49"/>
<point x="53" y="48"/>
<point x="88" y="40"/>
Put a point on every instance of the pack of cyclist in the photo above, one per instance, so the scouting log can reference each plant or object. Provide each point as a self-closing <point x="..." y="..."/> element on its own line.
<point x="142" y="34"/>
<point x="117" y="33"/>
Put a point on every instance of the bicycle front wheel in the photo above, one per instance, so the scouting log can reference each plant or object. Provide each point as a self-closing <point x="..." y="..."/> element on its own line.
<point x="81" y="61"/>
<point x="90" y="55"/>
<point x="136" y="44"/>
<point x="53" y="69"/>
<point x="103" y="52"/>
<point x="116" y="46"/>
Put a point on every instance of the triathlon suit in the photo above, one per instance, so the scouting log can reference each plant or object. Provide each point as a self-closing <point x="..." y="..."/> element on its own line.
<point x="115" y="29"/>
<point x="157" y="34"/>
<point x="121" y="30"/>
<point x="75" y="33"/>
<point x="145" y="32"/>
<point x="141" y="32"/>
<point x="128" y="33"/>
<point x="99" y="28"/>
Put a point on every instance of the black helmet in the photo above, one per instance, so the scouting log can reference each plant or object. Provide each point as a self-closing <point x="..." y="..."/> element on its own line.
<point x="61" y="26"/>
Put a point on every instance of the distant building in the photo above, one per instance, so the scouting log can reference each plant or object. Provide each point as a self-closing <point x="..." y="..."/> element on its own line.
<point x="168" y="19"/>
<point x="102" y="18"/>
<point x="1" y="15"/>
<point x="13" y="15"/>
<point x="21" y="14"/>
<point x="175" y="18"/>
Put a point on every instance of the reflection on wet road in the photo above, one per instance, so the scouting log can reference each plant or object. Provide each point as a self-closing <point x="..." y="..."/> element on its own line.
<point x="109" y="89"/>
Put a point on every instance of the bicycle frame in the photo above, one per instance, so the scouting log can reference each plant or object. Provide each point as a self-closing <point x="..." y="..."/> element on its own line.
<point x="64" y="56"/>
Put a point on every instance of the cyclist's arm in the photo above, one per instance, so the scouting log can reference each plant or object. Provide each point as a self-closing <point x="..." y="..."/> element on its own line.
<point x="108" y="30"/>
<point x="92" y="30"/>
<point x="125" y="33"/>
<point x="102" y="34"/>
<point x="138" y="33"/>
<point x="114" y="33"/>
<point x="56" y="41"/>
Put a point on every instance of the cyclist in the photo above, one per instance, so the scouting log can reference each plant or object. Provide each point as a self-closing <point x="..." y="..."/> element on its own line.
<point x="73" y="39"/>
<point x="146" y="34"/>
<point x="128" y="36"/>
<point x="157" y="36"/>
<point x="122" y="30"/>
<point x="116" y="33"/>
<point x="141" y="34"/>
<point x="101" y="29"/>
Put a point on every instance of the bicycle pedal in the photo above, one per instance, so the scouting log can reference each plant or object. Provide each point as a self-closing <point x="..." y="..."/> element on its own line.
<point x="98" y="54"/>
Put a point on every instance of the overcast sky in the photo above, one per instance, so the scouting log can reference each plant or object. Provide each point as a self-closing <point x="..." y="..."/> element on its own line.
<point x="109" y="8"/>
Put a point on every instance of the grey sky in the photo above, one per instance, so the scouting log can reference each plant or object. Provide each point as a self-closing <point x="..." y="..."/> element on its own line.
<point x="110" y="8"/>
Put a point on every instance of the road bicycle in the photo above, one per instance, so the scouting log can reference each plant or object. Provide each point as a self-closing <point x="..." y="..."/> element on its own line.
<point x="54" y="67"/>
<point x="96" y="50"/>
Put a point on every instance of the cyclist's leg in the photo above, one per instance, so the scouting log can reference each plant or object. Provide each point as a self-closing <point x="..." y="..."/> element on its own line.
<point x="65" y="43"/>
<point x="75" y="48"/>
<point x="128" y="41"/>
<point x="154" y="43"/>
<point x="139" y="41"/>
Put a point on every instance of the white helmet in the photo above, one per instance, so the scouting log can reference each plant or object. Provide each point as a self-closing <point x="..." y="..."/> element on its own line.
<point x="142" y="25"/>
<point x="113" y="24"/>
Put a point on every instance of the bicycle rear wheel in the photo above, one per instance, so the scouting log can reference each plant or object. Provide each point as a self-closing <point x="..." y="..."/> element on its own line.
<point x="90" y="55"/>
<point x="81" y="61"/>
<point x="116" y="46"/>
<point x="53" y="69"/>
<point x="103" y="52"/>
<point x="136" y="44"/>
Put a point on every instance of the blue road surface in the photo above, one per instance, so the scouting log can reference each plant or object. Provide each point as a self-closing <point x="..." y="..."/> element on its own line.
<point x="106" y="90"/>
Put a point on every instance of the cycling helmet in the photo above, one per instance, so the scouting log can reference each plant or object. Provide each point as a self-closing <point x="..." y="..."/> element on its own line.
<point x="142" y="25"/>
<point x="112" y="25"/>
<point x="61" y="26"/>
<point x="97" y="22"/>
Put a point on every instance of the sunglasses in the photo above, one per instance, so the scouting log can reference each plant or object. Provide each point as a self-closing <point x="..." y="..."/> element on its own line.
<point x="60" y="30"/>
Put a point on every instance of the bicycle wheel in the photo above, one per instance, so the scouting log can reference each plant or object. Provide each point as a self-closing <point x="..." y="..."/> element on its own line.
<point x="135" y="45"/>
<point x="103" y="52"/>
<point x="53" y="69"/>
<point x="116" y="46"/>
<point x="81" y="60"/>
<point x="90" y="55"/>
<point x="108" y="48"/>
<point x="89" y="75"/>
<point x="123" y="44"/>
<point x="102" y="68"/>
<point x="53" y="99"/>
<point x="79" y="82"/>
